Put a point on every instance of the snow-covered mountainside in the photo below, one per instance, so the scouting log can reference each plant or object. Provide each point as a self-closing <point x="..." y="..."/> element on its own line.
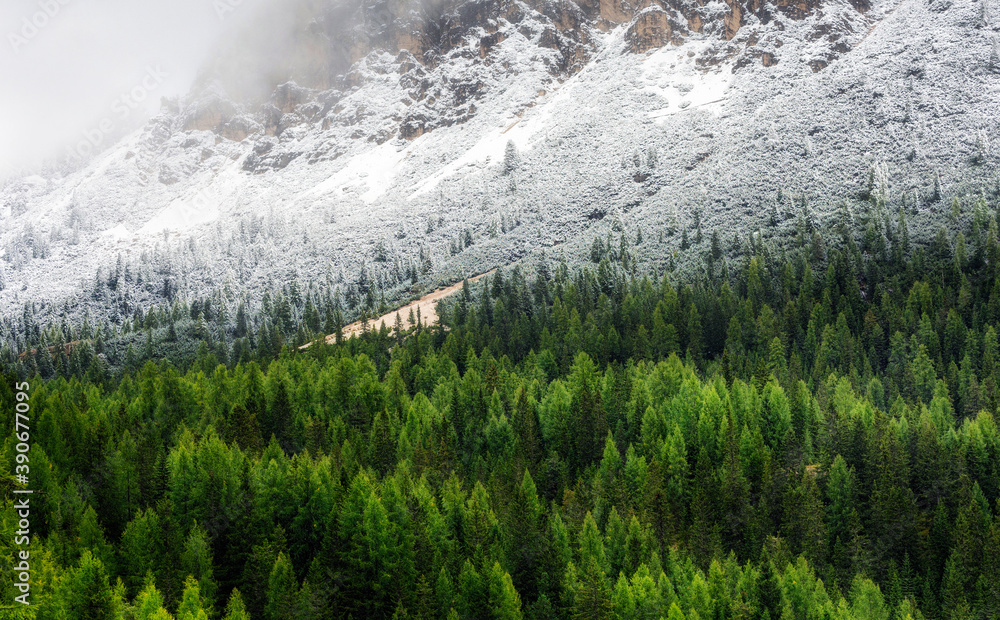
<point x="398" y="141"/>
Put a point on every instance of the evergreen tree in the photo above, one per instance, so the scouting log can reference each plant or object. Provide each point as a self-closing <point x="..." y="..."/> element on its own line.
<point x="282" y="589"/>
<point x="511" y="158"/>
<point x="148" y="605"/>
<point x="192" y="606"/>
<point x="86" y="593"/>
<point x="235" y="610"/>
<point x="196" y="562"/>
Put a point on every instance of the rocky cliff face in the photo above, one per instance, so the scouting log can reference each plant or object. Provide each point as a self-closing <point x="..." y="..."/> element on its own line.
<point x="330" y="50"/>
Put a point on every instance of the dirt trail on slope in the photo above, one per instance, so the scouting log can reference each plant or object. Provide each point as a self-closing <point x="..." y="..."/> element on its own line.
<point x="426" y="304"/>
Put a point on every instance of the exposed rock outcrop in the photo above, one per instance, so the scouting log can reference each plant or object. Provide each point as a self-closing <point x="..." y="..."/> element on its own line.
<point x="334" y="51"/>
<point x="208" y="115"/>
<point x="650" y="30"/>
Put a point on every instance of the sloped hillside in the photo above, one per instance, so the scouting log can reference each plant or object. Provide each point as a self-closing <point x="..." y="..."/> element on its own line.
<point x="409" y="144"/>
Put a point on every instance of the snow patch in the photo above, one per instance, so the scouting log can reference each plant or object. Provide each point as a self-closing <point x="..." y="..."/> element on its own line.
<point x="181" y="214"/>
<point x="489" y="149"/>
<point x="671" y="74"/>
<point x="118" y="233"/>
<point x="369" y="174"/>
<point x="202" y="206"/>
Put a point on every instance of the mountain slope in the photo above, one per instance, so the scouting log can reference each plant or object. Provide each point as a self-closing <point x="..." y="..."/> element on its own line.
<point x="385" y="157"/>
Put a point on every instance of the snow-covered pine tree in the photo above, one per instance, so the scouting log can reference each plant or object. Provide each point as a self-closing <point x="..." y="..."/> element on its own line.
<point x="511" y="158"/>
<point x="980" y="155"/>
<point x="878" y="183"/>
<point x="596" y="250"/>
<point x="427" y="265"/>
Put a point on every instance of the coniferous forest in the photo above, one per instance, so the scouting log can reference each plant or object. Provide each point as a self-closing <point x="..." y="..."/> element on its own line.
<point x="793" y="434"/>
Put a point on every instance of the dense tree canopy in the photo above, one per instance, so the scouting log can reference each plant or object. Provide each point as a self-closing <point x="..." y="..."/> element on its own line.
<point x="804" y="435"/>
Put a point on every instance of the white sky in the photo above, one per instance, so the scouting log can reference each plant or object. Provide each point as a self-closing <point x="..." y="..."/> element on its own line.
<point x="60" y="81"/>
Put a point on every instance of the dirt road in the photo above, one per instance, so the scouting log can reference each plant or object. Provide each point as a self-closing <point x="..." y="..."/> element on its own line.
<point x="426" y="304"/>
